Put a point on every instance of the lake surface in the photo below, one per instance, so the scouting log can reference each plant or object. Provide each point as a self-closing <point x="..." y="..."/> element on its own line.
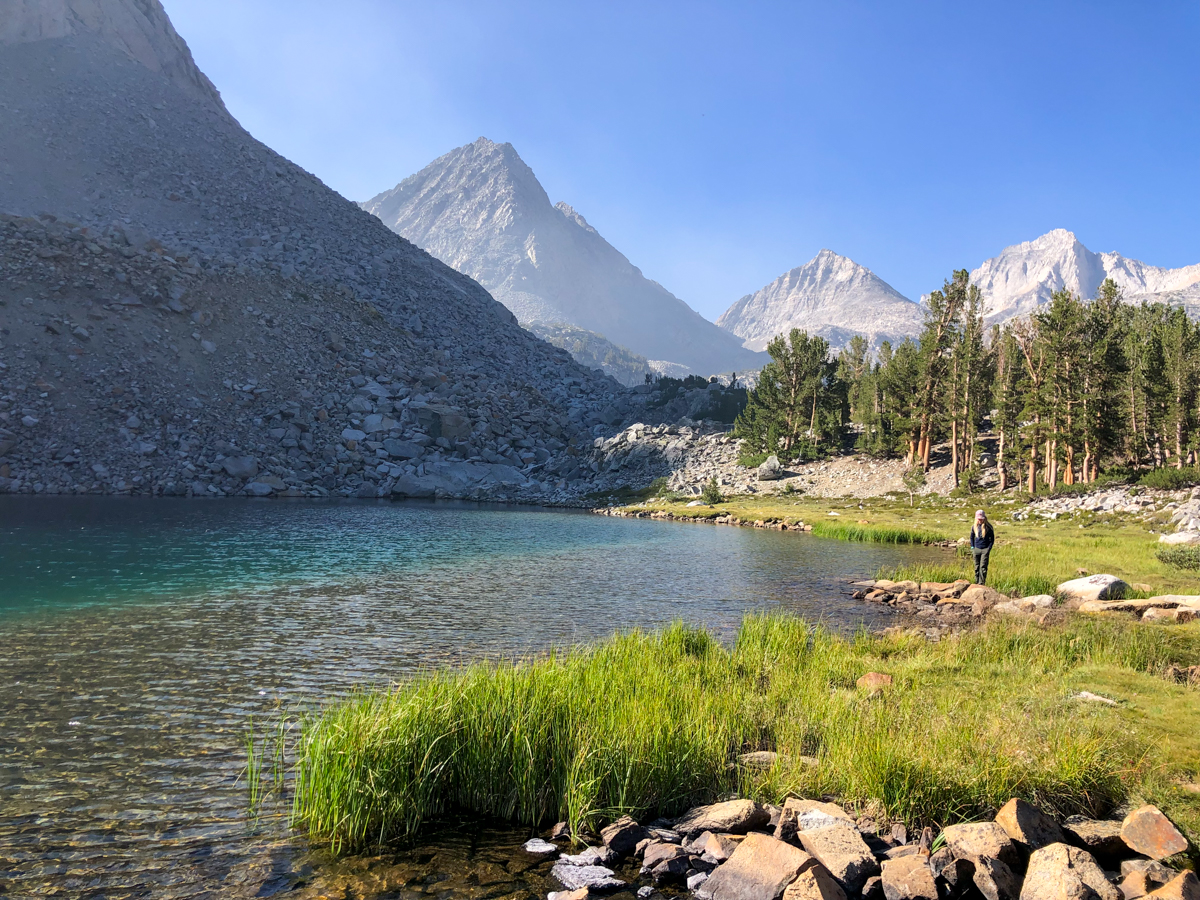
<point x="138" y="638"/>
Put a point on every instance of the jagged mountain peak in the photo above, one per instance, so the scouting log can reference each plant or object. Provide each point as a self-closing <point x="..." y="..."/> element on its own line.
<point x="830" y="295"/>
<point x="139" y="28"/>
<point x="1023" y="276"/>
<point x="481" y="209"/>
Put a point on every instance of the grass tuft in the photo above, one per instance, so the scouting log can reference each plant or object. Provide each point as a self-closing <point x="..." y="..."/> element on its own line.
<point x="877" y="534"/>
<point x="652" y="723"/>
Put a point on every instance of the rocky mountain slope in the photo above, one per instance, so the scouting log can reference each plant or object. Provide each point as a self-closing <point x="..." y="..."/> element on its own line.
<point x="481" y="210"/>
<point x="831" y="296"/>
<point x="595" y="351"/>
<point x="1024" y="276"/>
<point x="182" y="310"/>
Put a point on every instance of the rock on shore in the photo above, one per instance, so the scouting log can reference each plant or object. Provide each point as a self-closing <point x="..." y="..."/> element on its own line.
<point x="740" y="850"/>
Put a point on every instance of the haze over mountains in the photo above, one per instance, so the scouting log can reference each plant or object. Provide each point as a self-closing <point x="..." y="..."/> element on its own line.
<point x="481" y="209"/>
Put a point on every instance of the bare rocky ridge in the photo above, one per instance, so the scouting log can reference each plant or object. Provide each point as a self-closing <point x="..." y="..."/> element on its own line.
<point x="830" y="296"/>
<point x="1022" y="277"/>
<point x="481" y="210"/>
<point x="143" y="215"/>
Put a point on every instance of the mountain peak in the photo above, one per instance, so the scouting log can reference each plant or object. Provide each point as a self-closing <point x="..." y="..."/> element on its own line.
<point x="481" y="209"/>
<point x="831" y="295"/>
<point x="1024" y="276"/>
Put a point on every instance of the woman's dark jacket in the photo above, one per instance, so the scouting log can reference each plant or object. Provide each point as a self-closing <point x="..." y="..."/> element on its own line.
<point x="984" y="540"/>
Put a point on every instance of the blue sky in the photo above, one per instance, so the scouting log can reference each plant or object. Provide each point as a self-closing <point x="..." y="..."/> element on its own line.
<point x="718" y="145"/>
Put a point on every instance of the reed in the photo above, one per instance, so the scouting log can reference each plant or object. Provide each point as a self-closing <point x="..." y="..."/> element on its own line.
<point x="652" y="723"/>
<point x="877" y="534"/>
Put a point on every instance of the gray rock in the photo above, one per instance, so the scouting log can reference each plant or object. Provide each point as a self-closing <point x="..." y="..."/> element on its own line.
<point x="770" y="470"/>
<point x="240" y="466"/>
<point x="539" y="848"/>
<point x="595" y="878"/>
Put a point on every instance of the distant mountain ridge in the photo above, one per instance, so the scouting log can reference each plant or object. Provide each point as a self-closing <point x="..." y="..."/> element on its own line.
<point x="831" y="296"/>
<point x="480" y="209"/>
<point x="1023" y="276"/>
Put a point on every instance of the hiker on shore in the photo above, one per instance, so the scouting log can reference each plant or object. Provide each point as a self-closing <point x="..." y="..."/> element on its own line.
<point x="982" y="538"/>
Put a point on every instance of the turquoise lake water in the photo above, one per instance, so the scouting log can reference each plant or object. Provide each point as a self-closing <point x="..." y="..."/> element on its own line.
<point x="140" y="636"/>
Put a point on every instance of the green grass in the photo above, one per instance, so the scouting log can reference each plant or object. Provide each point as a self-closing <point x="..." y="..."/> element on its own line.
<point x="877" y="534"/>
<point x="649" y="724"/>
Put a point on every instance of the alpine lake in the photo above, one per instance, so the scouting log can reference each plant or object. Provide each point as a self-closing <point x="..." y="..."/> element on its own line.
<point x="144" y="640"/>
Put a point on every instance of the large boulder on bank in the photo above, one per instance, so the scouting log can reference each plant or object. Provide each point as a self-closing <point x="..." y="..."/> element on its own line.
<point x="770" y="470"/>
<point x="730" y="817"/>
<point x="1093" y="587"/>
<point x="1027" y="826"/>
<point x="842" y="851"/>
<point x="1148" y="832"/>
<point x="1061" y="872"/>
<point x="1181" y="538"/>
<point x="759" y="869"/>
<point x="804" y="815"/>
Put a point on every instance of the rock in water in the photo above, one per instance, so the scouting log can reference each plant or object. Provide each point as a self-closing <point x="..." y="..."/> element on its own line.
<point x="596" y="878"/>
<point x="539" y="848"/>
<point x="622" y="836"/>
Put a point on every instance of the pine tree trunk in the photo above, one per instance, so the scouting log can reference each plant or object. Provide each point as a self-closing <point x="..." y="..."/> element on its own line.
<point x="1000" y="464"/>
<point x="954" y="448"/>
<point x="1069" y="471"/>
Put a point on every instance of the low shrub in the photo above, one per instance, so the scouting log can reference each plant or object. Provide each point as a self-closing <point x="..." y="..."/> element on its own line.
<point x="1179" y="557"/>
<point x="1168" y="479"/>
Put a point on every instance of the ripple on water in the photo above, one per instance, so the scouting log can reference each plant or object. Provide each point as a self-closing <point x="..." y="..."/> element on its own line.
<point x="140" y="637"/>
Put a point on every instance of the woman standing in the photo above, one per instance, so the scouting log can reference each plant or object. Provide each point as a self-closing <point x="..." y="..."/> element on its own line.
<point x="982" y="538"/>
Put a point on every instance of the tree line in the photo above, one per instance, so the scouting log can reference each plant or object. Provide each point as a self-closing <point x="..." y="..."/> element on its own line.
<point x="1073" y="389"/>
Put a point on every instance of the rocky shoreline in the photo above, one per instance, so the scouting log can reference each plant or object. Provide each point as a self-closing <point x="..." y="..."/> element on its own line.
<point x="811" y="849"/>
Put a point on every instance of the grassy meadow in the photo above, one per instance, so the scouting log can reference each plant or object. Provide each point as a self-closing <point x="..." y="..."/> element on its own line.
<point x="652" y="723"/>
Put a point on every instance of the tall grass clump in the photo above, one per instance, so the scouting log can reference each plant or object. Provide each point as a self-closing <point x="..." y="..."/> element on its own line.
<point x="650" y="724"/>
<point x="877" y="534"/>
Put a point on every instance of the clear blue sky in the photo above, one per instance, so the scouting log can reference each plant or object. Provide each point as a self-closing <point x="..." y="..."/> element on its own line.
<point x="718" y="145"/>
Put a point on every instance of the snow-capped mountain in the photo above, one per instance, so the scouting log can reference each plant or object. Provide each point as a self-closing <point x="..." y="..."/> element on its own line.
<point x="1024" y="276"/>
<point x="831" y="296"/>
<point x="481" y="209"/>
